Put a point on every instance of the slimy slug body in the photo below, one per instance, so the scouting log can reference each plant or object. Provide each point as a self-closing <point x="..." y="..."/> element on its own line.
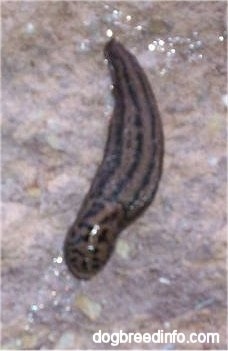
<point x="127" y="179"/>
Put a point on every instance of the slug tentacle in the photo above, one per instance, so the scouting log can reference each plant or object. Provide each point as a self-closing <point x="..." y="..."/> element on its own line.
<point x="128" y="177"/>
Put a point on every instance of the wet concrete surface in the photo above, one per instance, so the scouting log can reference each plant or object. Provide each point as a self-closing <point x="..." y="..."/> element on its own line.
<point x="169" y="268"/>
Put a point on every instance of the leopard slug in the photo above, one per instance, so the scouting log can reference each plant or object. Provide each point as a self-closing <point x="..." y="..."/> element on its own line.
<point x="127" y="178"/>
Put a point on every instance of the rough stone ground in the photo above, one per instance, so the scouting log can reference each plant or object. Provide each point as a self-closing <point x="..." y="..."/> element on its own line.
<point x="169" y="269"/>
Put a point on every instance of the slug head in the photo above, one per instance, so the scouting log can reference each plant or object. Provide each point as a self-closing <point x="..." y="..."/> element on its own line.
<point x="90" y="242"/>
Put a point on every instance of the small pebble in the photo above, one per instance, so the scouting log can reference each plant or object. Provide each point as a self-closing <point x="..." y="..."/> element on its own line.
<point x="66" y="341"/>
<point x="30" y="29"/>
<point x="164" y="280"/>
<point x="89" y="307"/>
<point x="29" y="341"/>
<point x="213" y="161"/>
<point x="214" y="125"/>
<point x="204" y="303"/>
<point x="55" y="142"/>
<point x="34" y="191"/>
<point x="225" y="99"/>
<point x="123" y="248"/>
<point x="12" y="345"/>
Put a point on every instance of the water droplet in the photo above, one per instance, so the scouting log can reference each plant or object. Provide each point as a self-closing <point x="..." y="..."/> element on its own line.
<point x="164" y="280"/>
<point x="212" y="161"/>
<point x="163" y="72"/>
<point x="167" y="325"/>
<point x="116" y="14"/>
<point x="30" y="29"/>
<point x="109" y="33"/>
<point x="221" y="38"/>
<point x="55" y="302"/>
<point x="91" y="248"/>
<point x="139" y="27"/>
<point x="58" y="259"/>
<point x="128" y="18"/>
<point x="56" y="273"/>
<point x="27" y="327"/>
<point x="198" y="43"/>
<point x="161" y="42"/>
<point x="30" y="317"/>
<point x="34" y="308"/>
<point x="95" y="229"/>
<point x="84" y="46"/>
<point x="151" y="47"/>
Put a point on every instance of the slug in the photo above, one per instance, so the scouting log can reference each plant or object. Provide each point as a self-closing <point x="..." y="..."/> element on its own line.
<point x="127" y="179"/>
